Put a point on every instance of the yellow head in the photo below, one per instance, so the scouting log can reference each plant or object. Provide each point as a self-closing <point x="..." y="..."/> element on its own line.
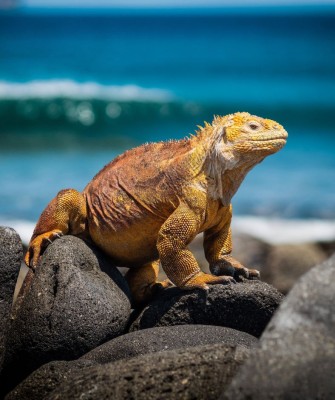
<point x="242" y="134"/>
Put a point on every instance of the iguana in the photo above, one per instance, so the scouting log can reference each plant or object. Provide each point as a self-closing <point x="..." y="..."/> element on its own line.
<point x="149" y="203"/>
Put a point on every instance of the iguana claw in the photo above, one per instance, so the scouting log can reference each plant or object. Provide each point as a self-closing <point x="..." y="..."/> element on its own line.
<point x="38" y="245"/>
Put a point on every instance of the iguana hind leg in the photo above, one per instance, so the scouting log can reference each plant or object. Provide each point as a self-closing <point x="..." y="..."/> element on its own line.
<point x="143" y="281"/>
<point x="218" y="247"/>
<point x="65" y="214"/>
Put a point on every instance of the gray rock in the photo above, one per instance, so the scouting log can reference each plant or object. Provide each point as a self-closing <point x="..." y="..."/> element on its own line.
<point x="195" y="373"/>
<point x="10" y="262"/>
<point x="70" y="308"/>
<point x="280" y="265"/>
<point x="166" y="338"/>
<point x="328" y="247"/>
<point x="296" y="359"/>
<point x="51" y="375"/>
<point x="45" y="379"/>
<point x="247" y="306"/>
<point x="286" y="263"/>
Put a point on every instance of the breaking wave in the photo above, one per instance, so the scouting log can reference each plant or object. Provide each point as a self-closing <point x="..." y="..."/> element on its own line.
<point x="65" y="113"/>
<point x="52" y="89"/>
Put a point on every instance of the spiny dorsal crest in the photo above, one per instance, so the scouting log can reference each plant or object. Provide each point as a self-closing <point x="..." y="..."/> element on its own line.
<point x="214" y="131"/>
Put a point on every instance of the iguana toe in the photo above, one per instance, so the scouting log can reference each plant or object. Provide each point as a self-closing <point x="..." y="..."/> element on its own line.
<point x="254" y="273"/>
<point x="202" y="280"/>
<point x="38" y="246"/>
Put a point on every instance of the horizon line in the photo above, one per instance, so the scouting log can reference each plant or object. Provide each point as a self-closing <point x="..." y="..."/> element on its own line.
<point x="210" y="8"/>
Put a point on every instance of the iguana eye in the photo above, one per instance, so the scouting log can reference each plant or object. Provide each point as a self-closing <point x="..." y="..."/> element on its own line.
<point x="254" y="126"/>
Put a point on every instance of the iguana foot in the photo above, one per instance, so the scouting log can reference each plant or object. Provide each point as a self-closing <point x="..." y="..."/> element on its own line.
<point x="38" y="246"/>
<point x="202" y="280"/>
<point x="229" y="266"/>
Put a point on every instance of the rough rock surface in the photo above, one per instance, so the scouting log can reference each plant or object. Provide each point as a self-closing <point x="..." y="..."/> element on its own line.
<point x="195" y="373"/>
<point x="296" y="359"/>
<point x="167" y="338"/>
<point x="286" y="263"/>
<point x="71" y="308"/>
<point x="46" y="378"/>
<point x="51" y="375"/>
<point x="247" y="306"/>
<point x="10" y="261"/>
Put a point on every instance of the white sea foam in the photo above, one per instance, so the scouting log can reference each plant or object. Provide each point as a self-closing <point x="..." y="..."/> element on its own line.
<point x="271" y="230"/>
<point x="275" y="230"/>
<point x="49" y="89"/>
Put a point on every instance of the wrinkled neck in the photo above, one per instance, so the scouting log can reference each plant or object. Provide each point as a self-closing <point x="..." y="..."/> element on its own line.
<point x="224" y="178"/>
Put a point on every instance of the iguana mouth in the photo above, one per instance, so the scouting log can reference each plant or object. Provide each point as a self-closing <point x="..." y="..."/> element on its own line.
<point x="271" y="139"/>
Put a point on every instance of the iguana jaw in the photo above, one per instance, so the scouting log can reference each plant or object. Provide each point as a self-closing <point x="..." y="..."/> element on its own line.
<point x="263" y="145"/>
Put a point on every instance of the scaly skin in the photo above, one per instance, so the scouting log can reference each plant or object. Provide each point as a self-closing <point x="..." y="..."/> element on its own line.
<point x="150" y="202"/>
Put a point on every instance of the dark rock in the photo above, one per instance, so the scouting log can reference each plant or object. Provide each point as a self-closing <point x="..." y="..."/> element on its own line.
<point x="328" y="247"/>
<point x="280" y="265"/>
<point x="246" y="306"/>
<point x="286" y="263"/>
<point x="296" y="359"/>
<point x="166" y="338"/>
<point x="70" y="308"/>
<point x="51" y="375"/>
<point x="10" y="262"/>
<point x="195" y="373"/>
<point x="46" y="378"/>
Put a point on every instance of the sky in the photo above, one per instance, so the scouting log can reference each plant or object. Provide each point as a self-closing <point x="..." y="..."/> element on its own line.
<point x="167" y="3"/>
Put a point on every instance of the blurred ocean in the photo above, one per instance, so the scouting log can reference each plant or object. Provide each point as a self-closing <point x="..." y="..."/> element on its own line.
<point x="76" y="89"/>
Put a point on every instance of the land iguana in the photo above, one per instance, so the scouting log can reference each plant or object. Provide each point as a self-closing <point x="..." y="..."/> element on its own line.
<point x="149" y="203"/>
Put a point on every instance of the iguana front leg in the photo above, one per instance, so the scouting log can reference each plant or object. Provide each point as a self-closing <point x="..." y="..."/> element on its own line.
<point x="65" y="214"/>
<point x="177" y="261"/>
<point x="218" y="247"/>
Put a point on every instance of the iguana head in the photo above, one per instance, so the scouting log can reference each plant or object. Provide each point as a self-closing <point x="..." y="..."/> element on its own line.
<point x="233" y="144"/>
<point x="247" y="133"/>
<point x="241" y="138"/>
<point x="243" y="135"/>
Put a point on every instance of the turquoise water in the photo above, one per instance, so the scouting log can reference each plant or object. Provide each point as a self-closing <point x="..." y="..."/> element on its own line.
<point x="78" y="89"/>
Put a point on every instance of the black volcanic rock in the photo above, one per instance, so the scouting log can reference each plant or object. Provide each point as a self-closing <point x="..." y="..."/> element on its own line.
<point x="46" y="378"/>
<point x="200" y="372"/>
<point x="49" y="376"/>
<point x="296" y="359"/>
<point x="10" y="262"/>
<point x="71" y="308"/>
<point x="167" y="338"/>
<point x="246" y="306"/>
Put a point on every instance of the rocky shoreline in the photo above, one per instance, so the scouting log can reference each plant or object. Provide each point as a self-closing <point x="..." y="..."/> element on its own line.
<point x="74" y="334"/>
